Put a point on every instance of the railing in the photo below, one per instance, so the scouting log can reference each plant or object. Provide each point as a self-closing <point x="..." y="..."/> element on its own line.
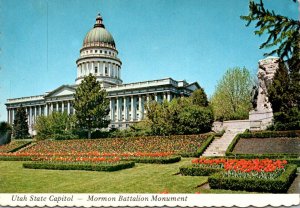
<point x="144" y="84"/>
<point x="29" y="98"/>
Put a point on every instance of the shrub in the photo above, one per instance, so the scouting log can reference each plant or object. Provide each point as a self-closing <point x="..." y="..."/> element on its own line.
<point x="277" y="185"/>
<point x="79" y="166"/>
<point x="198" y="171"/>
<point x="15" y="158"/>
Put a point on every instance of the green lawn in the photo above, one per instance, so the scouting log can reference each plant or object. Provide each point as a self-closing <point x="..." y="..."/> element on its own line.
<point x="143" y="178"/>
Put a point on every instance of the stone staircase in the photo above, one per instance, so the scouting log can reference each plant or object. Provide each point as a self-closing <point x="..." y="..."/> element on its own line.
<point x="219" y="145"/>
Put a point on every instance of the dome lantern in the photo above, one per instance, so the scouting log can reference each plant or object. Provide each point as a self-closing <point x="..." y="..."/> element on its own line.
<point x="99" y="21"/>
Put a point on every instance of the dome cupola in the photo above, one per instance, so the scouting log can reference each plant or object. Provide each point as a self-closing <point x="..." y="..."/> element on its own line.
<point x="99" y="56"/>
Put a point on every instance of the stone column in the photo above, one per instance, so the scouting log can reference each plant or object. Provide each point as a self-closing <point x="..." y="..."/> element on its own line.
<point x="118" y="109"/>
<point x="109" y="69"/>
<point x="165" y="96"/>
<point x="30" y="115"/>
<point x="8" y="116"/>
<point x="51" y="108"/>
<point x="104" y="74"/>
<point x="93" y="68"/>
<point x="46" y="110"/>
<point x="141" y="108"/>
<point x="56" y="106"/>
<point x="98" y="72"/>
<point x="111" y="109"/>
<point x="34" y="114"/>
<point x="125" y="109"/>
<point x="62" y="106"/>
<point x="155" y="97"/>
<point x="132" y="108"/>
<point x="169" y="96"/>
<point x="69" y="107"/>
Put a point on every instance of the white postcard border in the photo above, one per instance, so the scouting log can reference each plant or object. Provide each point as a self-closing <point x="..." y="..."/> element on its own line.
<point x="142" y="200"/>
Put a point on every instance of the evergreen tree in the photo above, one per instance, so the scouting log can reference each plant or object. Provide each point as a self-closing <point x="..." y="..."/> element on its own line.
<point x="283" y="32"/>
<point x="279" y="92"/>
<point x="199" y="97"/>
<point x="91" y="105"/>
<point x="20" y="126"/>
<point x="284" y="39"/>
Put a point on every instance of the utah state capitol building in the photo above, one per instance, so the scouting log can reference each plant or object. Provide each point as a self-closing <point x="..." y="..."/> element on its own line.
<point x="99" y="56"/>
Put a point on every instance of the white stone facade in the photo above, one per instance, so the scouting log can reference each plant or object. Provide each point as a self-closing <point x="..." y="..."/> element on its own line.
<point x="98" y="56"/>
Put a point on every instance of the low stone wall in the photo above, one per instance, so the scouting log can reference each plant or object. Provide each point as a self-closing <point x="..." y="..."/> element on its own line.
<point x="234" y="124"/>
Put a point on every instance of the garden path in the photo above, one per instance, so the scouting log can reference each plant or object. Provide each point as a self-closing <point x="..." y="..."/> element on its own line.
<point x="219" y="145"/>
<point x="295" y="187"/>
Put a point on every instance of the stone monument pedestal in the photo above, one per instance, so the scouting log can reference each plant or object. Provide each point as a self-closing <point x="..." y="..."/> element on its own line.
<point x="260" y="120"/>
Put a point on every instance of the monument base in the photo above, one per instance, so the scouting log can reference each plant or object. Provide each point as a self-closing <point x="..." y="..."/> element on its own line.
<point x="260" y="120"/>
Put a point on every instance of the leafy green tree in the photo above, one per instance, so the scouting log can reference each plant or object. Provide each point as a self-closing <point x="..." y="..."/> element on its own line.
<point x="55" y="126"/>
<point x="284" y="39"/>
<point x="232" y="96"/>
<point x="20" y="126"/>
<point x="180" y="116"/>
<point x="91" y="105"/>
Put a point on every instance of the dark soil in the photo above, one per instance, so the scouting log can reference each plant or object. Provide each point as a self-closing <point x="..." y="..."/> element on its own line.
<point x="268" y="145"/>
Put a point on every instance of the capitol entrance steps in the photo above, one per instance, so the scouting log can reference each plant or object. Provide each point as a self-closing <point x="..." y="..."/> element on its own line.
<point x="219" y="145"/>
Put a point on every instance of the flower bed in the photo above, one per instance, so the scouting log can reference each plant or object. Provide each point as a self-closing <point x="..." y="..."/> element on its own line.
<point x="13" y="146"/>
<point x="260" y="175"/>
<point x="203" y="167"/>
<point x="240" y="174"/>
<point x="99" y="166"/>
<point x="279" y="184"/>
<point x="187" y="145"/>
<point x="160" y="158"/>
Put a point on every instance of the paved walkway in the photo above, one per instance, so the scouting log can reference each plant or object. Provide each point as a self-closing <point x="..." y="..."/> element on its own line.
<point x="219" y="145"/>
<point x="295" y="187"/>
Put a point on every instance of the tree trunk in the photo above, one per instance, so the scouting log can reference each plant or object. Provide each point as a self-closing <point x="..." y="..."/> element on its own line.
<point x="89" y="134"/>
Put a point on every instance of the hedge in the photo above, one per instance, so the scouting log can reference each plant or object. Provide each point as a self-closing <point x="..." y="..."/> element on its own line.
<point x="202" y="148"/>
<point x="15" y="158"/>
<point x="191" y="170"/>
<point x="262" y="134"/>
<point x="20" y="147"/>
<point x="157" y="160"/>
<point x="76" y="166"/>
<point x="280" y="184"/>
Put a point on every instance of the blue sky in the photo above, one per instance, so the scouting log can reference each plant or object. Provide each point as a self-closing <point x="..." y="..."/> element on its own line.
<point x="195" y="40"/>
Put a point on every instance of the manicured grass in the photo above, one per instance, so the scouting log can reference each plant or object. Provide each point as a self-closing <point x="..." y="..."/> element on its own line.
<point x="143" y="178"/>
